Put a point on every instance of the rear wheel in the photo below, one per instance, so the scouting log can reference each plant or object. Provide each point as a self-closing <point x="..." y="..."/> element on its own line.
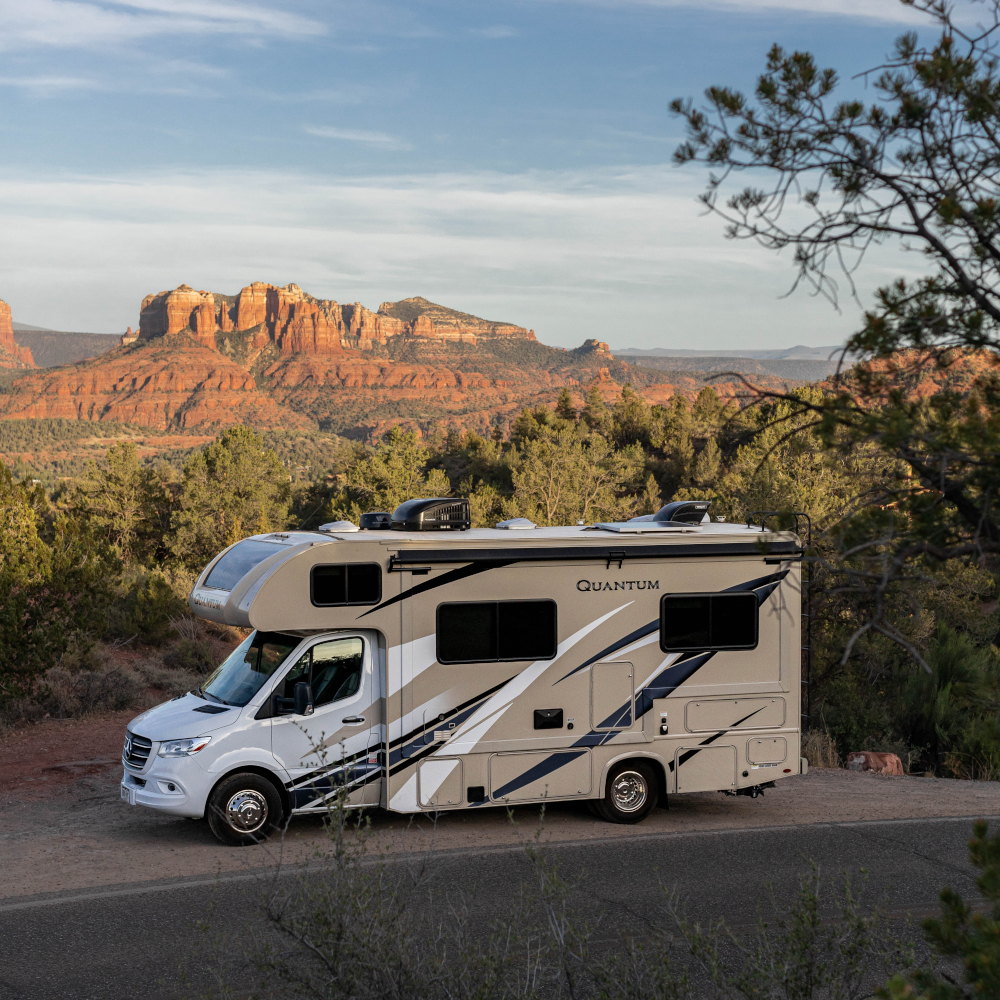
<point x="243" y="809"/>
<point x="629" y="795"/>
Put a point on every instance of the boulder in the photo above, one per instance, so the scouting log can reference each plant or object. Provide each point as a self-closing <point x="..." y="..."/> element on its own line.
<point x="873" y="762"/>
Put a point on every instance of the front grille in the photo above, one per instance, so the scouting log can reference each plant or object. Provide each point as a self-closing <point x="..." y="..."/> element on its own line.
<point x="135" y="753"/>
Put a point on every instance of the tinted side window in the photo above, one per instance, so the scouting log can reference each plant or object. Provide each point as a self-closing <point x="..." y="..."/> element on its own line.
<point x="332" y="668"/>
<point x="467" y="633"/>
<point x="490" y="631"/>
<point x="346" y="583"/>
<point x="699" y="622"/>
<point x="238" y="561"/>
<point x="527" y="630"/>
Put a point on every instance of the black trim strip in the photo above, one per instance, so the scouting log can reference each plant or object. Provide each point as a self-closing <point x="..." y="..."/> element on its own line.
<point x="334" y="765"/>
<point x="399" y="561"/>
<point x="450" y="577"/>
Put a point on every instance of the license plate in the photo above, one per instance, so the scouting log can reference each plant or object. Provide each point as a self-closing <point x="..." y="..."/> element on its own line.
<point x="128" y="795"/>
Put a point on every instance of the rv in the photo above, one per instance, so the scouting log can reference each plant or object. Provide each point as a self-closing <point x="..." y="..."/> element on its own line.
<point x="420" y="665"/>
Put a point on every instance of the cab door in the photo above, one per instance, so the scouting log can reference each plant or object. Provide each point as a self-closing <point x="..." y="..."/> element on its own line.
<point x="336" y="748"/>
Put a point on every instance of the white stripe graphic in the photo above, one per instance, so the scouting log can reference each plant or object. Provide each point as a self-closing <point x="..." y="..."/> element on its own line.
<point x="423" y="653"/>
<point x="655" y="637"/>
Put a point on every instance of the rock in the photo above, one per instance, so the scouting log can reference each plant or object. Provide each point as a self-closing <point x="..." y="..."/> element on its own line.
<point x="275" y="356"/>
<point x="12" y="354"/>
<point x="181" y="310"/>
<point x="877" y="763"/>
<point x="298" y="323"/>
<point x="178" y="384"/>
<point x="594" y="347"/>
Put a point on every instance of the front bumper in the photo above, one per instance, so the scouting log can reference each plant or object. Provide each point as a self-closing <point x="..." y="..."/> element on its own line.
<point x="163" y="788"/>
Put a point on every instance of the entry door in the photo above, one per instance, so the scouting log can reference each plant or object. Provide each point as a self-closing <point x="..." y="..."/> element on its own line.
<point x="338" y="745"/>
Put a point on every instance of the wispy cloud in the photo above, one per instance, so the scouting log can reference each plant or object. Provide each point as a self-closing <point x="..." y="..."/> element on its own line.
<point x="364" y="136"/>
<point x="621" y="255"/>
<point x="50" y="86"/>
<point x="90" y="23"/>
<point x="349" y="93"/>
<point x="891" y="11"/>
<point x="497" y="31"/>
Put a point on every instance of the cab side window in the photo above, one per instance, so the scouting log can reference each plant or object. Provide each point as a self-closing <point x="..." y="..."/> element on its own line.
<point x="332" y="668"/>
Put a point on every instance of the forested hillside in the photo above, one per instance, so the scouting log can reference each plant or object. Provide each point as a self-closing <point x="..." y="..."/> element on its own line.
<point x="102" y="563"/>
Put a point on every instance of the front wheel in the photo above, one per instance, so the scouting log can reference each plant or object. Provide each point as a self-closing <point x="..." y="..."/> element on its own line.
<point x="243" y="809"/>
<point x="629" y="795"/>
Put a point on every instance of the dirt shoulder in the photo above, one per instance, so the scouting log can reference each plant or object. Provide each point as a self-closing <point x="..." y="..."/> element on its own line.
<point x="63" y="826"/>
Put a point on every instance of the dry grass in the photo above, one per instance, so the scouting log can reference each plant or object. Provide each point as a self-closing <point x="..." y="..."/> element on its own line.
<point x="820" y="749"/>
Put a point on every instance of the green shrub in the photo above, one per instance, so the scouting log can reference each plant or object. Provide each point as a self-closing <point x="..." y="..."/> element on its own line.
<point x="194" y="656"/>
<point x="961" y="933"/>
<point x="66" y="693"/>
<point x="147" y="603"/>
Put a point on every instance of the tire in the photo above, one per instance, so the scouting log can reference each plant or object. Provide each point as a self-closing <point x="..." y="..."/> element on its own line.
<point x="243" y="809"/>
<point x="630" y="794"/>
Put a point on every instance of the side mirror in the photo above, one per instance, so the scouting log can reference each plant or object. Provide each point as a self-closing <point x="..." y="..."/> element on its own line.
<point x="303" y="699"/>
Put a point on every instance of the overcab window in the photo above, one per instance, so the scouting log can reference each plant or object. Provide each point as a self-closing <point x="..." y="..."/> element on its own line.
<point x="348" y="583"/>
<point x="492" y="631"/>
<point x="703" y="622"/>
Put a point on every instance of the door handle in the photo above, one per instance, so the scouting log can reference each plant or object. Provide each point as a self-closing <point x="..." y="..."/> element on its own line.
<point x="353" y="720"/>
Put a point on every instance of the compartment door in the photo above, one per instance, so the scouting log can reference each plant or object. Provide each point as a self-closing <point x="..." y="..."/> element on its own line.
<point x="612" y="696"/>
<point x="705" y="769"/>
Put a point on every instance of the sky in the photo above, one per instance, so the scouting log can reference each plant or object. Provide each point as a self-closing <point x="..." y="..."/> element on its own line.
<point x="508" y="158"/>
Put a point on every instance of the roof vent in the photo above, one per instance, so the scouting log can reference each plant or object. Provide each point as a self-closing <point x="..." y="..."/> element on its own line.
<point x="338" y="526"/>
<point x="681" y="512"/>
<point x="376" y="520"/>
<point x="432" y="514"/>
<point x="685" y="511"/>
<point x="517" y="524"/>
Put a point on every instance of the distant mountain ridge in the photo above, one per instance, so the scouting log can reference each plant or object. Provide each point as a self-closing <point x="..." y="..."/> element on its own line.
<point x="52" y="348"/>
<point x="799" y="363"/>
<point x="800" y="352"/>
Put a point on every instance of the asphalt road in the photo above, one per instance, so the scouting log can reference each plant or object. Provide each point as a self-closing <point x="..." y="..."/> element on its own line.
<point x="188" y="938"/>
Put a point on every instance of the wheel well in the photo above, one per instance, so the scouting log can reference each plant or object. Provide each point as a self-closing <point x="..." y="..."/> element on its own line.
<point x="654" y="763"/>
<point x="264" y="773"/>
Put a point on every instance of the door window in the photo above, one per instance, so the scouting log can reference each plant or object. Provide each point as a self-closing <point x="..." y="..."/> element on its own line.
<point x="332" y="668"/>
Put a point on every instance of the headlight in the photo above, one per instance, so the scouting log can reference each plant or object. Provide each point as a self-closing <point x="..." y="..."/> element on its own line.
<point x="183" y="748"/>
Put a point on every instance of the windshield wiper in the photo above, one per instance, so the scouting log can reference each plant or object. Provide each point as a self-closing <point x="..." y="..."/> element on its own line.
<point x="202" y="693"/>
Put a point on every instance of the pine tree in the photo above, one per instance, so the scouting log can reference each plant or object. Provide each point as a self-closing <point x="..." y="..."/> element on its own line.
<point x="123" y="501"/>
<point x="971" y="936"/>
<point x="232" y="488"/>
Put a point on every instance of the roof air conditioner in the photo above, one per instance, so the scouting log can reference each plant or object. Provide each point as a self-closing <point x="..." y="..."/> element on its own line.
<point x="432" y="514"/>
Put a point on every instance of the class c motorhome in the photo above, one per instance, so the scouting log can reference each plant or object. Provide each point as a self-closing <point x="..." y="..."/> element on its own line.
<point x="420" y="666"/>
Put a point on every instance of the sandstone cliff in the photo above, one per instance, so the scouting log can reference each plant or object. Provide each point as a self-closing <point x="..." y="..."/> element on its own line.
<point x="297" y="323"/>
<point x="278" y="357"/>
<point x="178" y="386"/>
<point x="12" y="354"/>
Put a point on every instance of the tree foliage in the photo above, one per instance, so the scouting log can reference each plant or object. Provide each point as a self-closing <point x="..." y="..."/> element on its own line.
<point x="567" y="474"/>
<point x="970" y="935"/>
<point x="917" y="166"/>
<point x="233" y="488"/>
<point x="125" y="501"/>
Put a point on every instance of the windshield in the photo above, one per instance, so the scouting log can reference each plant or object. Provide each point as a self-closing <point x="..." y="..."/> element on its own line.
<point x="247" y="667"/>
<point x="238" y="561"/>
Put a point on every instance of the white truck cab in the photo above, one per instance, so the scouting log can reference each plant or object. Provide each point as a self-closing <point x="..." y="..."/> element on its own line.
<point x="288" y="720"/>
